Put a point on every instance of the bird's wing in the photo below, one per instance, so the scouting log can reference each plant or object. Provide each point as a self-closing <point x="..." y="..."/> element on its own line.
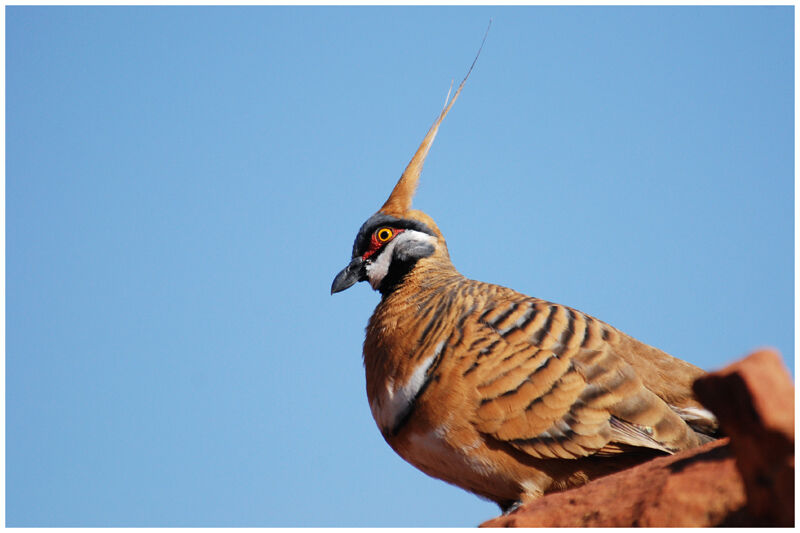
<point x="549" y="383"/>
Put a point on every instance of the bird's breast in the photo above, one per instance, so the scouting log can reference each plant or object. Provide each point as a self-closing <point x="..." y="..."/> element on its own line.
<point x="438" y="442"/>
<point x="396" y="394"/>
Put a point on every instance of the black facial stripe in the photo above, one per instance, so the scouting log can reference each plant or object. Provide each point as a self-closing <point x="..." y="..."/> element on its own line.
<point x="379" y="220"/>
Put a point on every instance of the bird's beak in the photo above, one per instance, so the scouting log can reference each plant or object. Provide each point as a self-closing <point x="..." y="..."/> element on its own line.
<point x="348" y="277"/>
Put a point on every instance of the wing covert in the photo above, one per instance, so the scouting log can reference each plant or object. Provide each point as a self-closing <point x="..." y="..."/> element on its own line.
<point x="549" y="384"/>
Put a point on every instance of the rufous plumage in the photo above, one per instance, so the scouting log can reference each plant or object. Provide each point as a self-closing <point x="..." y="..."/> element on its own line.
<point x="502" y="394"/>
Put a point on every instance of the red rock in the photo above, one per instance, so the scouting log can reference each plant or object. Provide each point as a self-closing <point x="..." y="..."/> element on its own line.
<point x="754" y="401"/>
<point x="695" y="488"/>
<point x="744" y="480"/>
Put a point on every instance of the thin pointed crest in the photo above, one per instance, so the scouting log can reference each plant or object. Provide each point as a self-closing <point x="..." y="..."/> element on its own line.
<point x="399" y="201"/>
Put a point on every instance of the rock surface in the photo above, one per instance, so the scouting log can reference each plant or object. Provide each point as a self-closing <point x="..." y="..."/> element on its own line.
<point x="754" y="402"/>
<point x="746" y="479"/>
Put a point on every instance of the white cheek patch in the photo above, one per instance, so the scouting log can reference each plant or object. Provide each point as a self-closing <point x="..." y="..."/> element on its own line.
<point x="378" y="267"/>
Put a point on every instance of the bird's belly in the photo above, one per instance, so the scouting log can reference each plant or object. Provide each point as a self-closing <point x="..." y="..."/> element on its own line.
<point x="441" y="454"/>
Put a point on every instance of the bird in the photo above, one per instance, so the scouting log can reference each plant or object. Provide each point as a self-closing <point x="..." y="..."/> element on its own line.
<point x="505" y="395"/>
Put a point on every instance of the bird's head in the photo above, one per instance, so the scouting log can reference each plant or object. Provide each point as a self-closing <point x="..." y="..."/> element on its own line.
<point x="387" y="247"/>
<point x="392" y="241"/>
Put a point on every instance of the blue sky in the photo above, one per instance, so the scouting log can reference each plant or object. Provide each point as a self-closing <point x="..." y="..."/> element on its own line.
<point x="182" y="185"/>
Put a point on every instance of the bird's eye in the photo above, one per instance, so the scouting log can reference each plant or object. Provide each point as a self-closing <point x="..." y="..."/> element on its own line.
<point x="384" y="234"/>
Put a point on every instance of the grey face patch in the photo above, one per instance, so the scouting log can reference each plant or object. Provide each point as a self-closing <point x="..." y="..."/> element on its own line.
<point x="414" y="249"/>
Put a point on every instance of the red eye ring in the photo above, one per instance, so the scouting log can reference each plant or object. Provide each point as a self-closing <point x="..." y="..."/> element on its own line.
<point x="379" y="238"/>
